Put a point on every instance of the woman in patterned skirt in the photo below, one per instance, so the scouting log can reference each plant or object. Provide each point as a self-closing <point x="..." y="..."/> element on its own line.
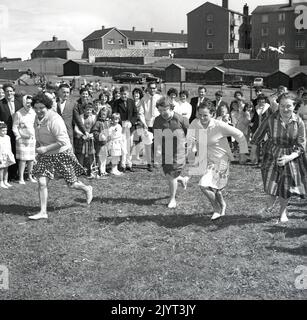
<point x="284" y="166"/>
<point x="55" y="156"/>
<point x="23" y="128"/>
<point x="210" y="138"/>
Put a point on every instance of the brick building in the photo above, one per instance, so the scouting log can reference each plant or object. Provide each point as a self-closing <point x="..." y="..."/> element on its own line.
<point x="113" y="38"/>
<point x="274" y="25"/>
<point x="54" y="49"/>
<point x="216" y="30"/>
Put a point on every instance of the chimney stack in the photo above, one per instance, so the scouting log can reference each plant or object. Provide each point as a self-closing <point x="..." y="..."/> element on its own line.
<point x="54" y="38"/>
<point x="151" y="30"/>
<point x="102" y="28"/>
<point x="245" y="10"/>
<point x="133" y="28"/>
<point x="290" y="3"/>
<point x="225" y="4"/>
<point x="182" y="31"/>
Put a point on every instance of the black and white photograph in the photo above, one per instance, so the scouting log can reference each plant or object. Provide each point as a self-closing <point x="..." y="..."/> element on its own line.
<point x="153" y="151"/>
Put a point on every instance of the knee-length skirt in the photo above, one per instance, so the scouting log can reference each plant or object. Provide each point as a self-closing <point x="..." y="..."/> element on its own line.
<point x="286" y="181"/>
<point x="60" y="165"/>
<point x="25" y="149"/>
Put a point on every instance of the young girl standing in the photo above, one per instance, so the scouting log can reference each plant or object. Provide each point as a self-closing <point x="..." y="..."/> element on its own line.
<point x="115" y="144"/>
<point x="6" y="156"/>
<point x="100" y="132"/>
<point x="86" y="148"/>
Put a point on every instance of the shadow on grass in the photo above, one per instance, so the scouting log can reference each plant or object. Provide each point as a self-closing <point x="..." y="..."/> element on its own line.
<point x="289" y="233"/>
<point x="298" y="251"/>
<point x="180" y="221"/>
<point x="21" y="210"/>
<point x="139" y="202"/>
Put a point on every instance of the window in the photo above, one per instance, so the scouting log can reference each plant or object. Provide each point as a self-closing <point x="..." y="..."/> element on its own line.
<point x="300" y="44"/>
<point x="264" y="31"/>
<point x="281" y="16"/>
<point x="145" y="43"/>
<point x="281" y="31"/>
<point x="210" y="17"/>
<point x="209" y="45"/>
<point x="111" y="41"/>
<point x="299" y="31"/>
<point x="121" y="41"/>
<point x="264" y="18"/>
<point x="131" y="42"/>
<point x="209" y="32"/>
<point x="281" y="43"/>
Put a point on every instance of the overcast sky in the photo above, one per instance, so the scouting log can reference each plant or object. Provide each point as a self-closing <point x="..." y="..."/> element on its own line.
<point x="33" y="21"/>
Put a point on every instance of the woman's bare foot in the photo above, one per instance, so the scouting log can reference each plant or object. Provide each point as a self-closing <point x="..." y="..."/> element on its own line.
<point x="38" y="216"/>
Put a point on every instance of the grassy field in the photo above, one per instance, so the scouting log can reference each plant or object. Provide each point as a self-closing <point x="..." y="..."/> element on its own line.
<point x="129" y="245"/>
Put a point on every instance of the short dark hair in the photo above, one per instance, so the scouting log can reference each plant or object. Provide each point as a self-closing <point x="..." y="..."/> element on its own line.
<point x="162" y="102"/>
<point x="207" y="104"/>
<point x="202" y="87"/>
<point x="261" y="97"/>
<point x="219" y="93"/>
<point x="184" y="92"/>
<point x="172" y="91"/>
<point x="123" y="89"/>
<point x="238" y="92"/>
<point x="42" y="98"/>
<point x="8" y="85"/>
<point x="104" y="93"/>
<point x="140" y="91"/>
<point x="151" y="83"/>
<point x="83" y="90"/>
<point x="64" y="85"/>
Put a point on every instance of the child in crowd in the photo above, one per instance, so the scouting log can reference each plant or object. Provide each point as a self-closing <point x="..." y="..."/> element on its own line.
<point x="115" y="144"/>
<point x="104" y="97"/>
<point x="100" y="132"/>
<point x="6" y="156"/>
<point x="85" y="147"/>
<point x="225" y="117"/>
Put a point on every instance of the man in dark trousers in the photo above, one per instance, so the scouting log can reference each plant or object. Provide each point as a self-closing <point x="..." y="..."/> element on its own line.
<point x="128" y="114"/>
<point x="66" y="109"/>
<point x="8" y="106"/>
<point x="196" y="101"/>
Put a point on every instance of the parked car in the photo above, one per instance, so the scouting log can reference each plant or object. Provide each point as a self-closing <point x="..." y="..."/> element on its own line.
<point x="258" y="82"/>
<point x="129" y="77"/>
<point x="236" y="82"/>
<point x="150" y="77"/>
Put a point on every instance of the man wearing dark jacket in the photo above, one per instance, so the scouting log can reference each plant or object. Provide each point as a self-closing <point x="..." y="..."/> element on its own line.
<point x="8" y="106"/>
<point x="128" y="115"/>
<point x="196" y="101"/>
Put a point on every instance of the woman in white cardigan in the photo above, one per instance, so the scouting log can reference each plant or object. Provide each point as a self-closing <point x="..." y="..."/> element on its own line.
<point x="209" y="136"/>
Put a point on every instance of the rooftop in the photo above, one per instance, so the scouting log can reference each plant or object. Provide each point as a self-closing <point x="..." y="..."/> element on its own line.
<point x="215" y="5"/>
<point x="140" y="35"/>
<point x="55" y="44"/>
<point x="277" y="8"/>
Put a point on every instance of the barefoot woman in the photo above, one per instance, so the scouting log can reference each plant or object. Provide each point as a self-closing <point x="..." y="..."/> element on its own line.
<point x="284" y="164"/>
<point x="210" y="135"/>
<point x="55" y="156"/>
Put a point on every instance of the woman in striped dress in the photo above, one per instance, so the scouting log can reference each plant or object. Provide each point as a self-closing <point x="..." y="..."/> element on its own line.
<point x="23" y="128"/>
<point x="284" y="166"/>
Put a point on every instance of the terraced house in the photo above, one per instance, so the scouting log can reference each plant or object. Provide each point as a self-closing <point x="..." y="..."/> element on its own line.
<point x="113" y="38"/>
